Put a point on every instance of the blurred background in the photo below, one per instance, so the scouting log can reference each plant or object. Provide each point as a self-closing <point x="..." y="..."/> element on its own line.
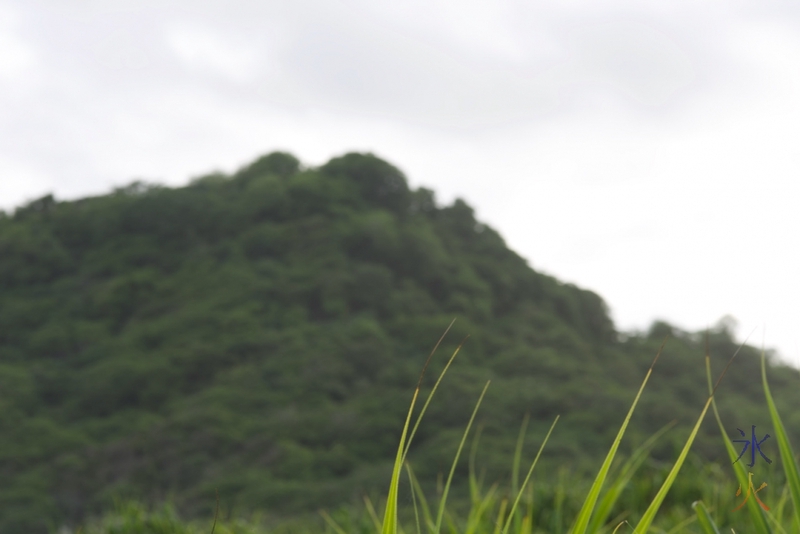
<point x="644" y="150"/>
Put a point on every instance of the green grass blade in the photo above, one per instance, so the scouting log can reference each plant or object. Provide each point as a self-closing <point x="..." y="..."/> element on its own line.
<point x="474" y="484"/>
<point x="442" y="503"/>
<point x="652" y="509"/>
<point x="420" y="496"/>
<point x="585" y="514"/>
<point x="430" y="396"/>
<point x="619" y="519"/>
<point x="620" y="526"/>
<point x="414" y="499"/>
<point x="559" y="500"/>
<point x="779" y="509"/>
<point x="527" y="478"/>
<point x="757" y="515"/>
<point x="777" y="524"/>
<point x="518" y="455"/>
<point x="704" y="518"/>
<point x="451" y="524"/>
<point x="372" y="515"/>
<point x="626" y="472"/>
<point x="216" y="513"/>
<point x="785" y="448"/>
<point x="500" y="515"/>
<point x="650" y="514"/>
<point x="682" y="525"/>
<point x="529" y="505"/>
<point x="479" y="503"/>
<point x="476" y="513"/>
<point x="331" y="523"/>
<point x="389" y="525"/>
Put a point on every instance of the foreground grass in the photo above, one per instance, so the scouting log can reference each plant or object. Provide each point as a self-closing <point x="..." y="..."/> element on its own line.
<point x="566" y="505"/>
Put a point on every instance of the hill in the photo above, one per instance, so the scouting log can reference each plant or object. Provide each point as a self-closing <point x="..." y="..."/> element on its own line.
<point x="260" y="334"/>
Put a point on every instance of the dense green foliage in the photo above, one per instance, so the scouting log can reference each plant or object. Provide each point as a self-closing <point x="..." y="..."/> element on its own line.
<point x="260" y="334"/>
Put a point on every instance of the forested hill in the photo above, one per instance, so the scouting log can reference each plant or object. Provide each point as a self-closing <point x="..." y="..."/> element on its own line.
<point x="261" y="334"/>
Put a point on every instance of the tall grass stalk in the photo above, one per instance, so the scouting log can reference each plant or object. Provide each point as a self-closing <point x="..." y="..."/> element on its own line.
<point x="650" y="514"/>
<point x="419" y="497"/>
<point x="704" y="518"/>
<point x="585" y="513"/>
<point x="389" y="525"/>
<point x="622" y="479"/>
<point x="757" y="515"/>
<point x="785" y="448"/>
<point x="518" y="454"/>
<point x="528" y="477"/>
<point x="443" y="501"/>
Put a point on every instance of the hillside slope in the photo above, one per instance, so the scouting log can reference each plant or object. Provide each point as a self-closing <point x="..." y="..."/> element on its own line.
<point x="261" y="334"/>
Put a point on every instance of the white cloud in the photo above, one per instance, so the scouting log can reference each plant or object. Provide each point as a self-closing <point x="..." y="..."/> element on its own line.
<point x="638" y="60"/>
<point x="17" y="57"/>
<point x="208" y="51"/>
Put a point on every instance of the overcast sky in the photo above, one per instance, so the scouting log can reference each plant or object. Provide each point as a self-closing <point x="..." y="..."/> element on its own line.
<point x="648" y="151"/>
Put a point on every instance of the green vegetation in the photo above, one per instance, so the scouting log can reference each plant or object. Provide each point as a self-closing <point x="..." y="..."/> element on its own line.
<point x="260" y="335"/>
<point x="486" y="514"/>
<point x="761" y="518"/>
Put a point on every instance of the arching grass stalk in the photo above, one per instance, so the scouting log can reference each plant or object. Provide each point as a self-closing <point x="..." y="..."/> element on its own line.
<point x="650" y="514"/>
<point x="413" y="498"/>
<point x="704" y="518"/>
<point x="585" y="513"/>
<point x="390" y="515"/>
<point x="528" y="477"/>
<point x="430" y="395"/>
<point x="518" y="455"/>
<point x="679" y="528"/>
<point x="622" y="479"/>
<point x="516" y="462"/>
<point x="500" y="515"/>
<point x="331" y="523"/>
<point x="474" y="483"/>
<point x="779" y="509"/>
<point x="757" y="515"/>
<point x="419" y="496"/>
<point x="477" y="511"/>
<point x="389" y="525"/>
<point x="785" y="448"/>
<point x="480" y="503"/>
<point x="372" y="515"/>
<point x="216" y="512"/>
<point x="440" y="513"/>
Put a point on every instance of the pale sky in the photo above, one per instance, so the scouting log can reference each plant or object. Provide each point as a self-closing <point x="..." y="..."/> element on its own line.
<point x="647" y="151"/>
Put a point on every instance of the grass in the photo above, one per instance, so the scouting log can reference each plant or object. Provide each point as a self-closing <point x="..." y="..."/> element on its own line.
<point x="594" y="513"/>
<point x="529" y="509"/>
